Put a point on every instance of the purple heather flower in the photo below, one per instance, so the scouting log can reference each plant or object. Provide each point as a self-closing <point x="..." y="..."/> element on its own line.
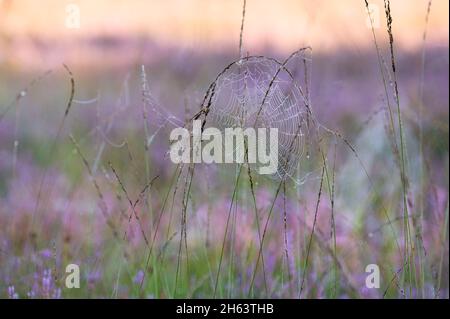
<point x="12" y="293"/>
<point x="139" y="277"/>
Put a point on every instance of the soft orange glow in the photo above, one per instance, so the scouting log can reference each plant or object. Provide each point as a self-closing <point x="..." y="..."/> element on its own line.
<point x="213" y="25"/>
<point x="285" y="23"/>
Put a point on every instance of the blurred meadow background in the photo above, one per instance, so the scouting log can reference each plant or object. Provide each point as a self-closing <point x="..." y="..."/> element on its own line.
<point x="85" y="177"/>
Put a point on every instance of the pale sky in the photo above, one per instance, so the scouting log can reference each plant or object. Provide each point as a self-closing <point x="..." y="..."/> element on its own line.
<point x="214" y="24"/>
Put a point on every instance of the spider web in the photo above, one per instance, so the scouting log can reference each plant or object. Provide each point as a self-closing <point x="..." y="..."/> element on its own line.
<point x="258" y="92"/>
